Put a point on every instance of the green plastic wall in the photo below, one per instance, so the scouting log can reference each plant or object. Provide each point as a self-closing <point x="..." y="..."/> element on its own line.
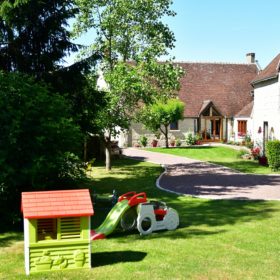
<point x="48" y="255"/>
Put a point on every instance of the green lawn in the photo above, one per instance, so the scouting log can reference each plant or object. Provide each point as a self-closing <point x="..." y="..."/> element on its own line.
<point x="218" y="155"/>
<point x="217" y="239"/>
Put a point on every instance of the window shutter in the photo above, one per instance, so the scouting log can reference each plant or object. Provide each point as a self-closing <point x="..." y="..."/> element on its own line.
<point x="70" y="228"/>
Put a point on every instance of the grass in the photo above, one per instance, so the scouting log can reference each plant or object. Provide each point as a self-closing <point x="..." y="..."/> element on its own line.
<point x="219" y="155"/>
<point x="217" y="239"/>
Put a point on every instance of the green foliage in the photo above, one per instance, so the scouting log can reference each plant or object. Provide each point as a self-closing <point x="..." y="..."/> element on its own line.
<point x="126" y="30"/>
<point x="190" y="139"/>
<point x="273" y="154"/>
<point x="36" y="134"/>
<point x="84" y="98"/>
<point x="160" y="115"/>
<point x="130" y="36"/>
<point x="34" y="35"/>
<point x="143" y="140"/>
<point x="178" y="142"/>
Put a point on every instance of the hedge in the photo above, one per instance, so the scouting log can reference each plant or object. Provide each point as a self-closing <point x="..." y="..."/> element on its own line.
<point x="273" y="154"/>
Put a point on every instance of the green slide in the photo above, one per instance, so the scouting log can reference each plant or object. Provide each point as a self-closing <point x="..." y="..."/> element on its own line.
<point x="111" y="221"/>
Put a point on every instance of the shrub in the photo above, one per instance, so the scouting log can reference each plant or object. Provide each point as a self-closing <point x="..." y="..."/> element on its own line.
<point x="273" y="154"/>
<point x="143" y="140"/>
<point x="178" y="142"/>
<point x="255" y="152"/>
<point x="248" y="142"/>
<point x="190" y="139"/>
<point x="36" y="133"/>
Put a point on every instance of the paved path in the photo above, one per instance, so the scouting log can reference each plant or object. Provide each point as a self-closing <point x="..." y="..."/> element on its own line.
<point x="202" y="179"/>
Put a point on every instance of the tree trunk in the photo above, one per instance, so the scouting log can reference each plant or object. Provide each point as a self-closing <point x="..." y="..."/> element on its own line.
<point x="85" y="149"/>
<point x="166" y="136"/>
<point x="108" y="153"/>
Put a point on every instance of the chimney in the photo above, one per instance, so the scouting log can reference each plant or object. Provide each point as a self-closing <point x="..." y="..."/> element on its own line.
<point x="250" y="57"/>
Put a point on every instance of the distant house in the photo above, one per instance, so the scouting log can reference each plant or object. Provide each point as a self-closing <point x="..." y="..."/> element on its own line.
<point x="218" y="102"/>
<point x="225" y="102"/>
<point x="266" y="110"/>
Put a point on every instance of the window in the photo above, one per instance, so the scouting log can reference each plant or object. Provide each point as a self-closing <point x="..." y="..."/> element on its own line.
<point x="61" y="228"/>
<point x="47" y="229"/>
<point x="242" y="128"/>
<point x="70" y="228"/>
<point x="174" y="126"/>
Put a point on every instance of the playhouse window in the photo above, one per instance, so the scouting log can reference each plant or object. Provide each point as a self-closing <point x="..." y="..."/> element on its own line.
<point x="70" y="228"/>
<point x="59" y="229"/>
<point x="46" y="229"/>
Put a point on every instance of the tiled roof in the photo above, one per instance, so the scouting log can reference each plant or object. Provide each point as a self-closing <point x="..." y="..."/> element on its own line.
<point x="55" y="204"/>
<point x="226" y="85"/>
<point x="270" y="71"/>
<point x="246" y="111"/>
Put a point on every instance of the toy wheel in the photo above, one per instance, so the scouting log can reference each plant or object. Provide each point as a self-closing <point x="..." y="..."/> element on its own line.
<point x="172" y="219"/>
<point x="145" y="225"/>
<point x="129" y="220"/>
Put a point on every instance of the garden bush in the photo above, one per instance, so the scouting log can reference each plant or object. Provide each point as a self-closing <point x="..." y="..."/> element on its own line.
<point x="143" y="140"/>
<point x="190" y="139"/>
<point x="37" y="135"/>
<point x="273" y="154"/>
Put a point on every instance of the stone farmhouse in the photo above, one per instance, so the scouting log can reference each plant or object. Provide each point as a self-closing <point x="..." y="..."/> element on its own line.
<point x="224" y="102"/>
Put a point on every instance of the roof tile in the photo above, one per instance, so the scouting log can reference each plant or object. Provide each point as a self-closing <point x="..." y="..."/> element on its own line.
<point x="226" y="85"/>
<point x="52" y="204"/>
<point x="270" y="71"/>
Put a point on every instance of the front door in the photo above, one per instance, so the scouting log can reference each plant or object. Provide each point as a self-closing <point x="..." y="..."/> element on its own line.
<point x="215" y="129"/>
<point x="265" y="135"/>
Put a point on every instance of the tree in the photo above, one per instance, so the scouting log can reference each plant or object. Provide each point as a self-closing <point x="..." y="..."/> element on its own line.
<point x="33" y="35"/>
<point x="160" y="115"/>
<point x="81" y="93"/>
<point x="38" y="139"/>
<point x="130" y="36"/>
<point x="34" y="39"/>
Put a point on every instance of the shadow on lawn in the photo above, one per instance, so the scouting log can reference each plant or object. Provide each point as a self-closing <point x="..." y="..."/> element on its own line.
<point x="192" y="211"/>
<point x="108" y="258"/>
<point x="9" y="239"/>
<point x="223" y="212"/>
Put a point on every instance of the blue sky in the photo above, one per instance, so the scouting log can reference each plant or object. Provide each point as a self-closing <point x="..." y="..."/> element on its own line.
<point x="224" y="30"/>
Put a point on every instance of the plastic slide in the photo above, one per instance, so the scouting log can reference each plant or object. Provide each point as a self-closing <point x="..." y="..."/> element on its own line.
<point x="125" y="202"/>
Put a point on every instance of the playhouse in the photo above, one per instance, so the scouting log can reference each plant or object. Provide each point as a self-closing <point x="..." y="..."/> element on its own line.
<point x="57" y="230"/>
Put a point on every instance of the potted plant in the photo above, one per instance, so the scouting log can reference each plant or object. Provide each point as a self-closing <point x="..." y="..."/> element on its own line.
<point x="263" y="160"/>
<point x="172" y="141"/>
<point x="154" y="143"/>
<point x="155" y="140"/>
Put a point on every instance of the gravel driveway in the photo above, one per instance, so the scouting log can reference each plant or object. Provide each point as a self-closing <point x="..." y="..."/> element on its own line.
<point x="206" y="180"/>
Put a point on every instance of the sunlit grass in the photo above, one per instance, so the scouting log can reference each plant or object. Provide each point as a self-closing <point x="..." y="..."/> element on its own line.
<point x="217" y="239"/>
<point x="219" y="155"/>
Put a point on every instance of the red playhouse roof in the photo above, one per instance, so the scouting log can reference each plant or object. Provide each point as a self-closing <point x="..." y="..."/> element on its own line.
<point x="55" y="204"/>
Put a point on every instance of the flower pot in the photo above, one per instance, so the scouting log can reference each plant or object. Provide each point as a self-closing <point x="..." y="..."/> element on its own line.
<point x="154" y="143"/>
<point x="263" y="160"/>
